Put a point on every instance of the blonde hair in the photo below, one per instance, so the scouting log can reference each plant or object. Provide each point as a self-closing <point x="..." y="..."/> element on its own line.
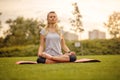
<point x="58" y="29"/>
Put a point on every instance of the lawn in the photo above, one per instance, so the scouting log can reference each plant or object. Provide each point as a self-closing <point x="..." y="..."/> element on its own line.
<point x="107" y="69"/>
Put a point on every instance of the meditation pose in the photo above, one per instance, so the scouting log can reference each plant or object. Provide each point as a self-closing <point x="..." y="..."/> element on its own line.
<point x="52" y="43"/>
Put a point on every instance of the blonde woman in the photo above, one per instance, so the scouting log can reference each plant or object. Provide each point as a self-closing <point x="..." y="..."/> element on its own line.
<point x="52" y="42"/>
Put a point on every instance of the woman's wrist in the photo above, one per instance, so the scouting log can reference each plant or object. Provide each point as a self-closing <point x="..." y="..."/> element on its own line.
<point x="68" y="51"/>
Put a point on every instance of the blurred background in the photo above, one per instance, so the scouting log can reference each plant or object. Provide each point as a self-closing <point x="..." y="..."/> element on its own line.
<point x="81" y="20"/>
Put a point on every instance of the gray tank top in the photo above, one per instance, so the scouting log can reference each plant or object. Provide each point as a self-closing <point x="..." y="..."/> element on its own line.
<point x="52" y="43"/>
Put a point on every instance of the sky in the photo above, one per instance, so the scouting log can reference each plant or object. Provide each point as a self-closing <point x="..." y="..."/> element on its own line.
<point x="94" y="12"/>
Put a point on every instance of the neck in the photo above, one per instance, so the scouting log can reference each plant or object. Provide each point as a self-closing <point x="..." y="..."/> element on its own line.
<point x="52" y="25"/>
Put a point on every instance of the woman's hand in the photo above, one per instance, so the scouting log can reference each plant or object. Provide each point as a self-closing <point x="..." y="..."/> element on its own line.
<point x="45" y="55"/>
<point x="72" y="53"/>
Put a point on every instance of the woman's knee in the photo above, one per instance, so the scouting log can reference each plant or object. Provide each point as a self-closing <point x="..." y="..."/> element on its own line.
<point x="72" y="58"/>
<point x="41" y="60"/>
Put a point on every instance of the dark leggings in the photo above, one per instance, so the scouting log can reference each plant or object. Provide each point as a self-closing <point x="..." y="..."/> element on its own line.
<point x="43" y="60"/>
<point x="72" y="58"/>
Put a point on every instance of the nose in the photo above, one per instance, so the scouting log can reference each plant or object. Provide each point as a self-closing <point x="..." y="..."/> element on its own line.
<point x="53" y="18"/>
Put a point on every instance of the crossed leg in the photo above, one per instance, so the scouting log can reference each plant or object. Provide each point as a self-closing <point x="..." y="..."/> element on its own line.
<point x="51" y="59"/>
<point x="57" y="59"/>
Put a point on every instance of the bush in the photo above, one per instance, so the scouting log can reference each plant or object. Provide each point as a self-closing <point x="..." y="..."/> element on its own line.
<point x="29" y="50"/>
<point x="89" y="47"/>
<point x="96" y="47"/>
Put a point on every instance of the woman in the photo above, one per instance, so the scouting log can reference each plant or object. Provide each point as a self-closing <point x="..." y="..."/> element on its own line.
<point x="51" y="43"/>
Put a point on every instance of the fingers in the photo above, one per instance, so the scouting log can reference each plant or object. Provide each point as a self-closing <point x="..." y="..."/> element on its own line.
<point x="72" y="53"/>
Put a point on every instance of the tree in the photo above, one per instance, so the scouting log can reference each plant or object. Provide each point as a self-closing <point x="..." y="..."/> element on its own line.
<point x="22" y="31"/>
<point x="113" y="25"/>
<point x="77" y="25"/>
<point x="0" y="21"/>
<point x="76" y="22"/>
<point x="1" y="42"/>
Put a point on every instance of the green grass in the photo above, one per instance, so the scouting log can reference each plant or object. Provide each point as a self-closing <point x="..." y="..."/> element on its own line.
<point x="108" y="69"/>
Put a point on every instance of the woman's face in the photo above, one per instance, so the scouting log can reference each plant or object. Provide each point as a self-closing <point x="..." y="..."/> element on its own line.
<point x="52" y="18"/>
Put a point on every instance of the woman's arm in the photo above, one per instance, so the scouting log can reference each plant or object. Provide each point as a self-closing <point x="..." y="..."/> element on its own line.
<point x="41" y="48"/>
<point x="64" y="46"/>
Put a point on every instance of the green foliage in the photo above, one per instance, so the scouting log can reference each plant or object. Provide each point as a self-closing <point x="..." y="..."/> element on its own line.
<point x="1" y="41"/>
<point x="96" y="47"/>
<point x="29" y="50"/>
<point x="88" y="47"/>
<point x="0" y="21"/>
<point x="113" y="24"/>
<point x="76" y="22"/>
<point x="22" y="31"/>
<point x="108" y="69"/>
